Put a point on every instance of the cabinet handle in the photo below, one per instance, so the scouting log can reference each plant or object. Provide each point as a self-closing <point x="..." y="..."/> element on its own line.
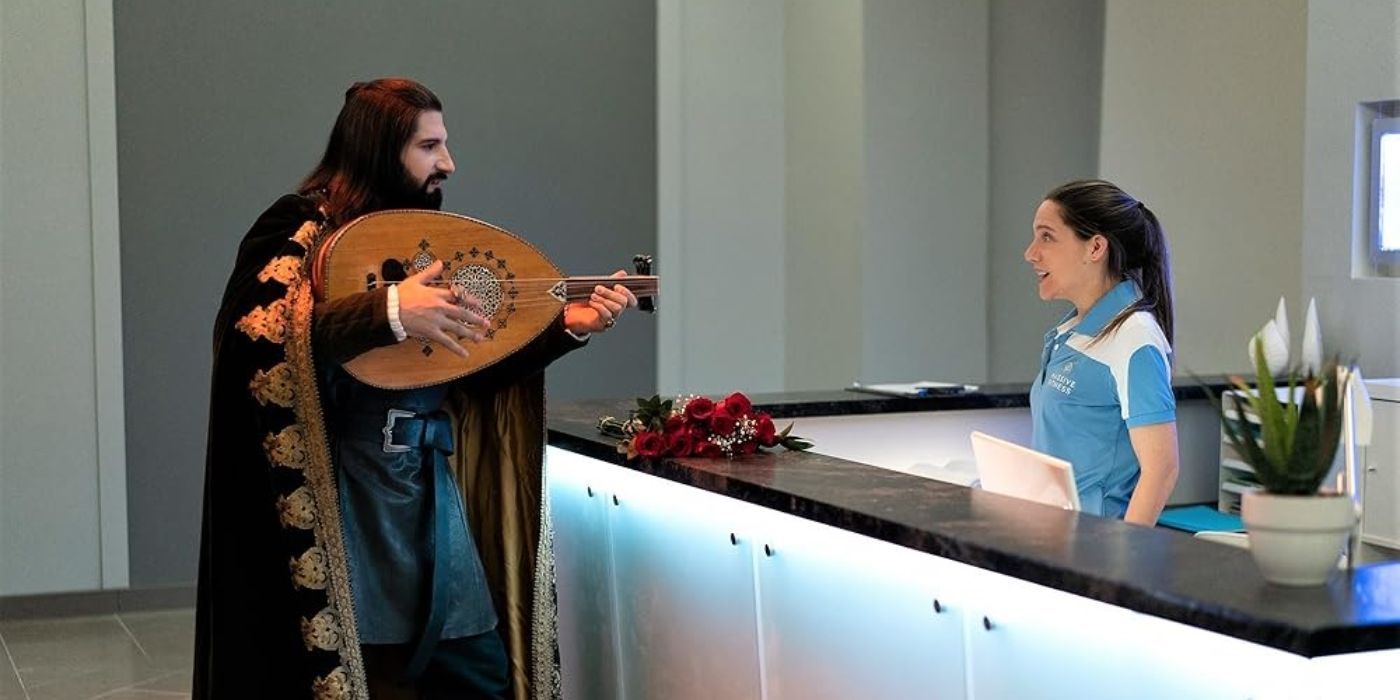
<point x="615" y="501"/>
<point x="937" y="607"/>
<point x="986" y="623"/>
<point x="733" y="539"/>
<point x="767" y="550"/>
<point x="590" y="492"/>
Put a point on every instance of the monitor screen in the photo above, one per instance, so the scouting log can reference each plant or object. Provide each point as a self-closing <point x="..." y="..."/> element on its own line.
<point x="1388" y="193"/>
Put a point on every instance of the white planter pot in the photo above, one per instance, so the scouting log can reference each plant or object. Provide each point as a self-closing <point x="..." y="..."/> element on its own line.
<point x="1297" y="540"/>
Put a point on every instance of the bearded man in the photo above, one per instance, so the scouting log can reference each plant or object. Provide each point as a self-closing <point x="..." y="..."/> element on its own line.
<point x="361" y="542"/>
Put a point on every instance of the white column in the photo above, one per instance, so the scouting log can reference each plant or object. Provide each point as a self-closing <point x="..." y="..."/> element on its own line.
<point x="720" y="195"/>
<point x="62" y="442"/>
<point x="825" y="210"/>
<point x="107" y="300"/>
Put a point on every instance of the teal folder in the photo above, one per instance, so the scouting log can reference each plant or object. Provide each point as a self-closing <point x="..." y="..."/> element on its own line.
<point x="1199" y="517"/>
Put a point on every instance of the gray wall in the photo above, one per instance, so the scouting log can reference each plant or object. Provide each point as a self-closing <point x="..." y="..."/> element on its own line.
<point x="1046" y="78"/>
<point x="1203" y="119"/>
<point x="1353" y="56"/>
<point x="925" y="249"/>
<point x="825" y="136"/>
<point x="222" y="107"/>
<point x="913" y="140"/>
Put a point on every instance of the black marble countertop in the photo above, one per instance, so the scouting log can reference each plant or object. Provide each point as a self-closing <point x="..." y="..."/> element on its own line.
<point x="848" y="402"/>
<point x="1155" y="571"/>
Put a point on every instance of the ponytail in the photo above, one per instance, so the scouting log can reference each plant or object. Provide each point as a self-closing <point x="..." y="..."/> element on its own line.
<point x="1154" y="277"/>
<point x="1137" y="245"/>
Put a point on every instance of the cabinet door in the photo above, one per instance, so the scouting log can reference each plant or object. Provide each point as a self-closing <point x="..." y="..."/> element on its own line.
<point x="1380" y="519"/>
<point x="684" y="592"/>
<point x="843" y="616"/>
<point x="583" y="578"/>
<point x="1041" y="643"/>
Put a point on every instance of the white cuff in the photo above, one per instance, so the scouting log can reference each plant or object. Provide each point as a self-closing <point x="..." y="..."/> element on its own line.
<point x="575" y="336"/>
<point x="395" y="324"/>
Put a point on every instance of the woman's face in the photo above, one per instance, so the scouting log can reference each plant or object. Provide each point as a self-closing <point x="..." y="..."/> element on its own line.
<point x="1068" y="267"/>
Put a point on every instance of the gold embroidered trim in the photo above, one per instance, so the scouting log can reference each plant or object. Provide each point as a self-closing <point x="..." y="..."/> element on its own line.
<point x="266" y="322"/>
<point x="286" y="269"/>
<point x="287" y="448"/>
<point x="306" y="235"/>
<point x="297" y="509"/>
<point x="320" y="479"/>
<point x="546" y="679"/>
<point x="309" y="570"/>
<point x="333" y="686"/>
<point x="321" y="632"/>
<point x="273" y="386"/>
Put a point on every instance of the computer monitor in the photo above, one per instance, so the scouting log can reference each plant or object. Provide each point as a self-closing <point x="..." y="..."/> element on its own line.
<point x="1013" y="470"/>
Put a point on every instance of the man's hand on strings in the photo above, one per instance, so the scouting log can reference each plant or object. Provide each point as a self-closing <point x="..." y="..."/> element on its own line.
<point x="602" y="309"/>
<point x="434" y="312"/>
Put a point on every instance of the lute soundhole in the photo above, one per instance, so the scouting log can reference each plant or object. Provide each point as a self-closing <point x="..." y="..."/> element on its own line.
<point x="478" y="281"/>
<point x="482" y="274"/>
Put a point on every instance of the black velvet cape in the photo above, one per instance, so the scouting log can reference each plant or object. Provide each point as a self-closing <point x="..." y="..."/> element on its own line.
<point x="275" y="616"/>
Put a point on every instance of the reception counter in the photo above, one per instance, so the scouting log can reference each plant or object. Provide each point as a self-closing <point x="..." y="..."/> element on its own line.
<point x="808" y="575"/>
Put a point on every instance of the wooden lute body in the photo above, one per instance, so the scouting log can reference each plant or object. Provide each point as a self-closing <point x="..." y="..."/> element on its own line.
<point x="521" y="292"/>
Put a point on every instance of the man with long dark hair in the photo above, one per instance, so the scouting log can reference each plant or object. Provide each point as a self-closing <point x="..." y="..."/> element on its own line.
<point x="339" y="557"/>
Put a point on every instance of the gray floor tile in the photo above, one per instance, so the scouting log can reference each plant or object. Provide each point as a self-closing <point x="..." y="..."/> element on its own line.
<point x="141" y="695"/>
<point x="10" y="689"/>
<point x="177" y="681"/>
<point x="166" y="636"/>
<point x="145" y="656"/>
<point x="76" y="657"/>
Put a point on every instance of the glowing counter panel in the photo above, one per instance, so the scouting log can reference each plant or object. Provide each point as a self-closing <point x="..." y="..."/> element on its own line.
<point x="669" y="591"/>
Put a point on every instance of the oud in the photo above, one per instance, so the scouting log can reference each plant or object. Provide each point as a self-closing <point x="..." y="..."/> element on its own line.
<point x="520" y="291"/>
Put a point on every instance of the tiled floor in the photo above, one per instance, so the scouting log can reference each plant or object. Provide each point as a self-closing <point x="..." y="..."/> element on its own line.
<point x="130" y="656"/>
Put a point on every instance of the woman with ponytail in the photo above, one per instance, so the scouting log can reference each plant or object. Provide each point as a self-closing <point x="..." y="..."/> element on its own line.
<point x="1103" y="398"/>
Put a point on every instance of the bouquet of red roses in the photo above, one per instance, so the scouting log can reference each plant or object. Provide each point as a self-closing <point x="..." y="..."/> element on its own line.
<point x="696" y="426"/>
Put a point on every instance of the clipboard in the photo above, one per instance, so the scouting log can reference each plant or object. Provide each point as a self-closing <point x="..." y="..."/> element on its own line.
<point x="917" y="390"/>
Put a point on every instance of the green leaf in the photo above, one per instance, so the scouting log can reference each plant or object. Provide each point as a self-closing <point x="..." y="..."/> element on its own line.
<point x="796" y="444"/>
<point x="1272" y="422"/>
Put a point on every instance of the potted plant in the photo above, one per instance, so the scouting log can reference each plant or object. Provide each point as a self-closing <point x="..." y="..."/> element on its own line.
<point x="1296" y="532"/>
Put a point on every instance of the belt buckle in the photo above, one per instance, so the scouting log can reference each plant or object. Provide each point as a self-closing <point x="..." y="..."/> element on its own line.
<point x="393" y="416"/>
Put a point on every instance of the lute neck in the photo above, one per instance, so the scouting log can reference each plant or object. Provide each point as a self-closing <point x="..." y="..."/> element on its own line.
<point x="582" y="287"/>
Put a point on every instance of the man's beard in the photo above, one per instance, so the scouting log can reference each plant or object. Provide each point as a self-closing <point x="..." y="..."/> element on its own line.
<point x="410" y="195"/>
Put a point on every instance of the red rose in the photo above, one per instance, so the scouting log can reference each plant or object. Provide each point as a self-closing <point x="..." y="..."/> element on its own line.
<point x="699" y="409"/>
<point x="708" y="450"/>
<point x="721" y="424"/>
<point x="679" y="444"/>
<point x="767" y="432"/>
<point x="649" y="444"/>
<point x="746" y="448"/>
<point x="737" y="405"/>
<point x="673" y="424"/>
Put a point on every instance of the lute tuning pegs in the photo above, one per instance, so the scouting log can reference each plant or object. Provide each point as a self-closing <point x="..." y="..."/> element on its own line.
<point x="642" y="263"/>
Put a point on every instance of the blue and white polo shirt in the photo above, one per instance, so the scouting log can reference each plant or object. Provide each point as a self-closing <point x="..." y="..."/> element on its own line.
<point x="1088" y="394"/>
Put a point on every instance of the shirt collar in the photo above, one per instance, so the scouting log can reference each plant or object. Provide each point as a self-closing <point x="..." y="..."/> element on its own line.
<point x="1121" y="296"/>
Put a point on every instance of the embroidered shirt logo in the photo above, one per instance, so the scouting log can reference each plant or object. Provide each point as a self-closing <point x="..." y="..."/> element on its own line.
<point x="1062" y="381"/>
